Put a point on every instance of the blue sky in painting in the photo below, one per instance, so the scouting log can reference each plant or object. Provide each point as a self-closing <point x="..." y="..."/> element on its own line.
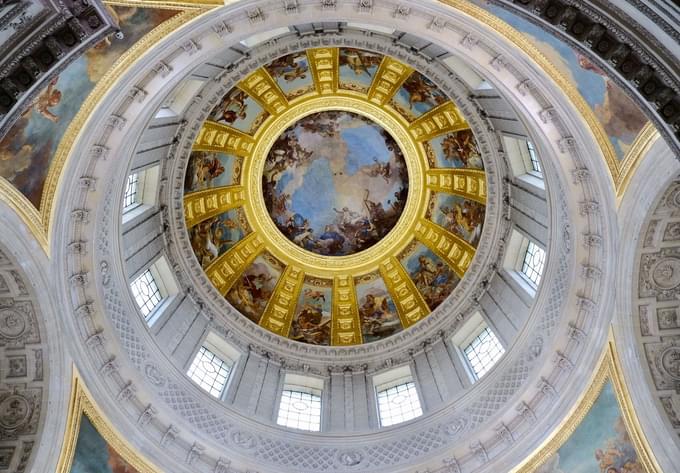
<point x="33" y="140"/>
<point x="317" y="195"/>
<point x="224" y="179"/>
<point x="315" y="198"/>
<point x="577" y="455"/>
<point x="253" y="111"/>
<point x="411" y="262"/>
<point x="363" y="145"/>
<point x="92" y="454"/>
<point x="365" y="77"/>
<point x="291" y="86"/>
<point x="589" y="84"/>
<point x="606" y="104"/>
<point x="74" y="84"/>
<point x="418" y="108"/>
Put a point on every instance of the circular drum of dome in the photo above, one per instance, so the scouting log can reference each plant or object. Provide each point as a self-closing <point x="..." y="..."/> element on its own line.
<point x="335" y="196"/>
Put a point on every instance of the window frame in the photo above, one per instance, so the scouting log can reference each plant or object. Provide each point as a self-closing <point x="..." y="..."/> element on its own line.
<point x="518" y="149"/>
<point x="167" y="288"/>
<point x="481" y="329"/>
<point x="132" y="179"/>
<point x="145" y="195"/>
<point x="225" y="363"/>
<point x="534" y="167"/>
<point x="513" y="261"/>
<point x="153" y="279"/>
<point x="527" y="246"/>
<point x="401" y="376"/>
<point x="305" y="385"/>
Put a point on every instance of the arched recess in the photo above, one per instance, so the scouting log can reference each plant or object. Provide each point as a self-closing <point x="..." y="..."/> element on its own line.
<point x="86" y="240"/>
<point x="635" y="42"/>
<point x="33" y="384"/>
<point x="647" y="299"/>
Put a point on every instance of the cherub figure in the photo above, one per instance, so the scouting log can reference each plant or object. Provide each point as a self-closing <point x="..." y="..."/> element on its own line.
<point x="379" y="169"/>
<point x="234" y="106"/>
<point x="421" y="90"/>
<point x="47" y="99"/>
<point x="462" y="146"/>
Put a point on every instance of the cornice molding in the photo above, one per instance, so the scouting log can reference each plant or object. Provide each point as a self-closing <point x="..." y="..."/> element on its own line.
<point x="107" y="305"/>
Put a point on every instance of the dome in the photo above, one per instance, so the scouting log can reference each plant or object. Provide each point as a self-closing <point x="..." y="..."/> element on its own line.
<point x="336" y="236"/>
<point x="335" y="196"/>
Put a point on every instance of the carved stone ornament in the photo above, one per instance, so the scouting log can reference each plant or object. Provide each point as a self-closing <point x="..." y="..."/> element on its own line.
<point x="660" y="274"/>
<point x="225" y="423"/>
<point x="351" y="458"/>
<point x="243" y="439"/>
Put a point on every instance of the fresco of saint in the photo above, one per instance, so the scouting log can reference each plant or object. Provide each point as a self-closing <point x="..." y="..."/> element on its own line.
<point x="417" y="96"/>
<point x="252" y="291"/>
<point x="357" y="68"/>
<point x="457" y="150"/>
<point x="460" y="216"/>
<point x="312" y="320"/>
<point x="28" y="148"/>
<point x="210" y="169"/>
<point x="239" y="110"/>
<point x="600" y="444"/>
<point x="291" y="73"/>
<point x="434" y="279"/>
<point x="212" y="237"/>
<point x="377" y="312"/>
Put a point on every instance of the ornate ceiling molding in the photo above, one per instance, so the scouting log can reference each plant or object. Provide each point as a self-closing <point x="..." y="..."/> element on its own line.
<point x="640" y="323"/>
<point x="634" y="57"/>
<point x="568" y="318"/>
<point x="180" y="253"/>
<point x="39" y="39"/>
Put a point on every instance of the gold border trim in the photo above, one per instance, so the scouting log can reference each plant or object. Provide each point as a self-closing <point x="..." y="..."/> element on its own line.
<point x="358" y="263"/>
<point x="39" y="221"/>
<point x="170" y="4"/>
<point x="609" y="369"/>
<point x="638" y="150"/>
<point x="620" y="170"/>
<point x="81" y="402"/>
<point x="23" y="207"/>
<point x="521" y="42"/>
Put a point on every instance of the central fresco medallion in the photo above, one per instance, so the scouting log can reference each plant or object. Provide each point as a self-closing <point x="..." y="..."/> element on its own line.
<point x="335" y="183"/>
<point x="335" y="196"/>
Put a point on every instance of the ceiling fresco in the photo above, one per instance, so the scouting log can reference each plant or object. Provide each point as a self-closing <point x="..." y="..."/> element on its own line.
<point x="335" y="183"/>
<point x="335" y="196"/>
